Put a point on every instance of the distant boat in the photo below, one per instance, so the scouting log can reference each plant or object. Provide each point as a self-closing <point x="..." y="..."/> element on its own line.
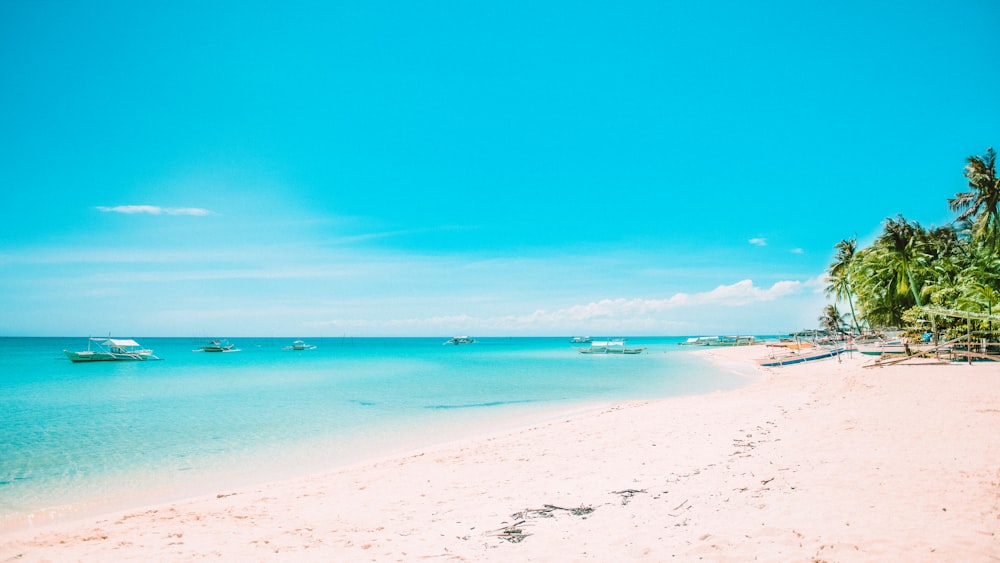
<point x="300" y="345"/>
<point x="614" y="346"/>
<point x="719" y="341"/>
<point x="110" y="350"/>
<point x="456" y="340"/>
<point x="580" y="339"/>
<point x="217" y="346"/>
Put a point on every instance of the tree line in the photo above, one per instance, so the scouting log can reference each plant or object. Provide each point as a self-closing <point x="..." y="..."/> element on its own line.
<point x="908" y="267"/>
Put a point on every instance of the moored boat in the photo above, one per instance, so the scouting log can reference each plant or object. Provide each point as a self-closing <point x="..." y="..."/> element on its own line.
<point x="882" y="347"/>
<point x="719" y="341"/>
<point x="456" y="340"/>
<point x="613" y="346"/>
<point x="299" y="345"/>
<point x="110" y="350"/>
<point x="218" y="346"/>
<point x="820" y="354"/>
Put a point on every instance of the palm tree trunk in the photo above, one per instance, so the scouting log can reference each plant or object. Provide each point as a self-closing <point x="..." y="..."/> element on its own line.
<point x="913" y="287"/>
<point x="854" y="317"/>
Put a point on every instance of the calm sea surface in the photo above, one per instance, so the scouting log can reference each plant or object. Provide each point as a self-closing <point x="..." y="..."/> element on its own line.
<point x="79" y="437"/>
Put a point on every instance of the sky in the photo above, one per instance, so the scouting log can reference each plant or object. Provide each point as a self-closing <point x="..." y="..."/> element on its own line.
<point x="376" y="168"/>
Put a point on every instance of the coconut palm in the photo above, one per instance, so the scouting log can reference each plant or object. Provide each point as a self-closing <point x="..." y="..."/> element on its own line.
<point x="831" y="320"/>
<point x="945" y="254"/>
<point x="901" y="253"/>
<point x="840" y="275"/>
<point x="876" y="290"/>
<point x="980" y="281"/>
<point x="981" y="204"/>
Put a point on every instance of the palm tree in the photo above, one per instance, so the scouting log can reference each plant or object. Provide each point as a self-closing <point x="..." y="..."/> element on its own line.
<point x="980" y="279"/>
<point x="831" y="320"/>
<point x="982" y="203"/>
<point x="840" y="275"/>
<point x="876" y="290"/>
<point x="899" y="247"/>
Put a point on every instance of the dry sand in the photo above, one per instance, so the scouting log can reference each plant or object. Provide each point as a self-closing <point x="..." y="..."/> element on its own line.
<point x="813" y="462"/>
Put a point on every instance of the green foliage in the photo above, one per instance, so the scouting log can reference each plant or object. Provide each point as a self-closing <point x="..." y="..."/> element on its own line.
<point x="831" y="320"/>
<point x="907" y="266"/>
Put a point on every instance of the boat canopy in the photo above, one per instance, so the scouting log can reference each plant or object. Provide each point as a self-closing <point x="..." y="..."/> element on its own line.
<point x="117" y="342"/>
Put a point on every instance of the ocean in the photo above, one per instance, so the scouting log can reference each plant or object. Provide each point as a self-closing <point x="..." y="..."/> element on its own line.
<point x="78" y="438"/>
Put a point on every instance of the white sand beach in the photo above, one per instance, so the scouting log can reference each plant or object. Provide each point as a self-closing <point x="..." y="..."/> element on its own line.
<point x="827" y="461"/>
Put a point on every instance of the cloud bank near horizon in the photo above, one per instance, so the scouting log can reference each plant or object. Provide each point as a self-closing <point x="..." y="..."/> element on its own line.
<point x="154" y="210"/>
<point x="633" y="314"/>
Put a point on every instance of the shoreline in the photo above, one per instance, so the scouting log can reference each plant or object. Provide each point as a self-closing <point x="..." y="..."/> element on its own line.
<point x="309" y="452"/>
<point x="826" y="460"/>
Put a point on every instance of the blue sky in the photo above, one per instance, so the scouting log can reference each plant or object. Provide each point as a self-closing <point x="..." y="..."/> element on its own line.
<point x="484" y="168"/>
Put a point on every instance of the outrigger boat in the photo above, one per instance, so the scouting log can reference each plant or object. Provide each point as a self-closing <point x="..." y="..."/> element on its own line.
<point x="111" y="350"/>
<point x="217" y="346"/>
<point x="615" y="346"/>
<point x="821" y="354"/>
<point x="300" y="345"/>
<point x="456" y="340"/>
<point x="882" y="347"/>
<point x="719" y="341"/>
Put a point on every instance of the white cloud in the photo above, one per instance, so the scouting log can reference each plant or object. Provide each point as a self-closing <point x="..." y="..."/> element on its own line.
<point x="625" y="314"/>
<point x="154" y="210"/>
<point x="758" y="241"/>
<point x="819" y="283"/>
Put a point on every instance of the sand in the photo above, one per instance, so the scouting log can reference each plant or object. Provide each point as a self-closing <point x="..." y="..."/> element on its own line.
<point x="826" y="461"/>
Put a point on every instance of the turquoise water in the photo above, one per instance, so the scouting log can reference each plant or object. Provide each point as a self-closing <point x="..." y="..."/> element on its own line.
<point x="77" y="437"/>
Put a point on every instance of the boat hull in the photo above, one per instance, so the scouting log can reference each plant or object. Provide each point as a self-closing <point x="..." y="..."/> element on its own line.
<point x="802" y="359"/>
<point x="88" y="356"/>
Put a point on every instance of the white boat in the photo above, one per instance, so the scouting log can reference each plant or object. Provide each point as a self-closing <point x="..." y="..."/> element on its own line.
<point x="819" y="354"/>
<point x="882" y="347"/>
<point x="699" y="341"/>
<point x="217" y="346"/>
<point x="580" y="339"/>
<point x="613" y="346"/>
<point x="719" y="341"/>
<point x="110" y="350"/>
<point x="300" y="345"/>
<point x="456" y="340"/>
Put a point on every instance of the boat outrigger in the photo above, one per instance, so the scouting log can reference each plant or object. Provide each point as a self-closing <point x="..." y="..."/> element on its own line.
<point x="110" y="350"/>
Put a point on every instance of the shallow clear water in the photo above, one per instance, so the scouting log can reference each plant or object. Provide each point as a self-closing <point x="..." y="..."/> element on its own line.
<point x="106" y="434"/>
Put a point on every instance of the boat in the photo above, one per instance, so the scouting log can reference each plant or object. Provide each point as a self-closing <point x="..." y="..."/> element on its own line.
<point x="791" y="345"/>
<point x="798" y="359"/>
<point x="217" y="346"/>
<point x="111" y="350"/>
<point x="719" y="341"/>
<point x="733" y="341"/>
<point x="456" y="340"/>
<point x="882" y="347"/>
<point x="580" y="339"/>
<point x="299" y="345"/>
<point x="613" y="346"/>
<point x="697" y="341"/>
